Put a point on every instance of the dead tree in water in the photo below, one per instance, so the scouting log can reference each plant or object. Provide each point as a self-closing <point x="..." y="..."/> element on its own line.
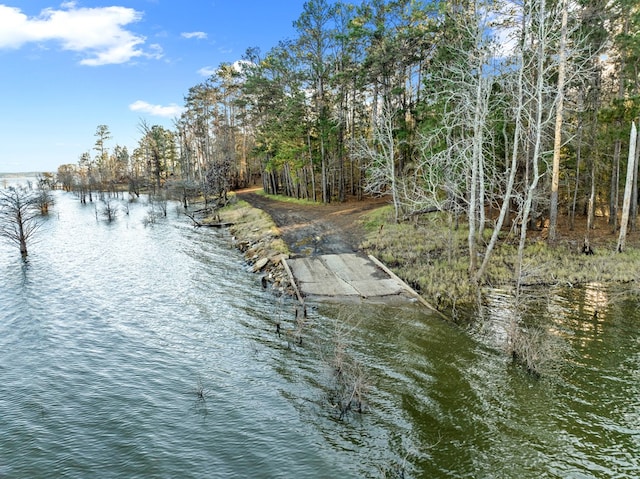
<point x="109" y="209"/>
<point x="19" y="216"/>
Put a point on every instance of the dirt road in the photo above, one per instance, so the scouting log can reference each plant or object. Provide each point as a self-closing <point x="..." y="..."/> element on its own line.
<point x="316" y="229"/>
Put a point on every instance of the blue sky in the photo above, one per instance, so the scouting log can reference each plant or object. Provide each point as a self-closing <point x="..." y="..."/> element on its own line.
<point x="66" y="68"/>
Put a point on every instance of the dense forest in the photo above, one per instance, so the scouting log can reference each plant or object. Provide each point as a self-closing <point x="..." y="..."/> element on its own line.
<point x="496" y="113"/>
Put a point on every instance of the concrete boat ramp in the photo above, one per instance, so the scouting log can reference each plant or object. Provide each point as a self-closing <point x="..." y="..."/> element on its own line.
<point x="348" y="276"/>
<point x="342" y="275"/>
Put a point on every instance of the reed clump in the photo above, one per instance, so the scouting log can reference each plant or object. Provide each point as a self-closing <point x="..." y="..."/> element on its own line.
<point x="350" y="382"/>
<point x="534" y="348"/>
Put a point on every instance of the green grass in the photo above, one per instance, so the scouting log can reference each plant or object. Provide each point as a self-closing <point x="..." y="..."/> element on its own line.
<point x="287" y="199"/>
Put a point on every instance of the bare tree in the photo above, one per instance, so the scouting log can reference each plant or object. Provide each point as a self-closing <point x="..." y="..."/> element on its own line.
<point x="452" y="171"/>
<point x="535" y="43"/>
<point x="19" y="216"/>
<point x="109" y="208"/>
<point x="379" y="156"/>
<point x="43" y="189"/>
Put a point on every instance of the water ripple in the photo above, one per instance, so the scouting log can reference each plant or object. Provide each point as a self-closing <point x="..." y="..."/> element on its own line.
<point x="150" y="351"/>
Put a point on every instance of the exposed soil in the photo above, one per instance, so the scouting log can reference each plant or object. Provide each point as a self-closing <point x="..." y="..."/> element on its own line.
<point x="316" y="229"/>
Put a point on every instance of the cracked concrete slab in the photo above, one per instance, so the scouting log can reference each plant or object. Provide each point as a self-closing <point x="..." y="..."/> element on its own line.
<point x="346" y="275"/>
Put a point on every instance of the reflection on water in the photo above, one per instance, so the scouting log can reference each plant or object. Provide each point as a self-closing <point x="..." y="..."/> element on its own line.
<point x="594" y="390"/>
<point x="151" y="351"/>
<point x="595" y="298"/>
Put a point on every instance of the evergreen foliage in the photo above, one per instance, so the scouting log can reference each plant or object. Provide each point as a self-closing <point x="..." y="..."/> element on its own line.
<point x="470" y="87"/>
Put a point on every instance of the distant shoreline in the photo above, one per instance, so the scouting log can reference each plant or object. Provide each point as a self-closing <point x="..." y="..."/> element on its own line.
<point x="28" y="174"/>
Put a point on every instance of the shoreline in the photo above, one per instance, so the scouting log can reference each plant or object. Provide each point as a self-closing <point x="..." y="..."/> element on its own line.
<point x="417" y="255"/>
<point x="255" y="234"/>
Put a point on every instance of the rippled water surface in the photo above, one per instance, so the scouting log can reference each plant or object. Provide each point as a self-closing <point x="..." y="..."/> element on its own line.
<point x="151" y="351"/>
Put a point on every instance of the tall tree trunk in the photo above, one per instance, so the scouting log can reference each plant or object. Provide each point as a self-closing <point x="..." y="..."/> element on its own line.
<point x="513" y="168"/>
<point x="21" y="235"/>
<point x="311" y="170"/>
<point x="576" y="186"/>
<point x="591" y="211"/>
<point x="557" y="141"/>
<point x="634" y="190"/>
<point x="615" y="167"/>
<point x="626" y="204"/>
<point x="475" y="199"/>
<point x="615" y="180"/>
<point x="537" y="132"/>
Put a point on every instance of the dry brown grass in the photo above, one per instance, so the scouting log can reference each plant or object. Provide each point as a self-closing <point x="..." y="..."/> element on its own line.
<point x="431" y="255"/>
<point x="252" y="225"/>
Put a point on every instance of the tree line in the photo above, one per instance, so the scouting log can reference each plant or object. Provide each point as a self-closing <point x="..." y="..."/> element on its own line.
<point x="500" y="113"/>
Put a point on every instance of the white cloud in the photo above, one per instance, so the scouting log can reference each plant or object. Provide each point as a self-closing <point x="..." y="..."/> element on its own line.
<point x="198" y="35"/>
<point x="207" y="71"/>
<point x="98" y="33"/>
<point x="156" y="51"/>
<point x="238" y="65"/>
<point x="169" y="111"/>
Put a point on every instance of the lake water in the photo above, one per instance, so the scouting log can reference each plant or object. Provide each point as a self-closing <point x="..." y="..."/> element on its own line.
<point x="130" y="349"/>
